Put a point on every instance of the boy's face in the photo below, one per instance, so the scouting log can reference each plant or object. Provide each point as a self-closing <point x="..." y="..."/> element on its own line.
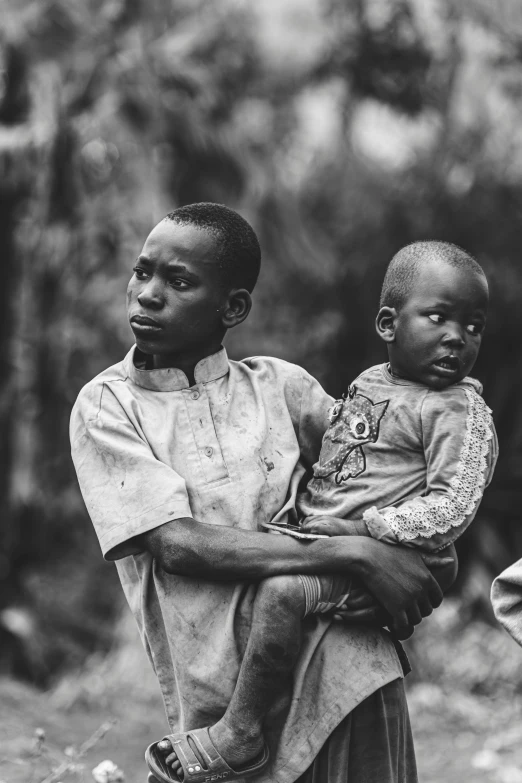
<point x="176" y="295"/>
<point x="438" y="330"/>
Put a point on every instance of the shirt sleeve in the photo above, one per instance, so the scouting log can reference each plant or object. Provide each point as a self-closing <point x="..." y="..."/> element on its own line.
<point x="127" y="491"/>
<point x="460" y="447"/>
<point x="313" y="420"/>
<point x="506" y="597"/>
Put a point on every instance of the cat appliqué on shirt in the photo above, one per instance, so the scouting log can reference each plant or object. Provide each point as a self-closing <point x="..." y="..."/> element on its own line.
<point x="354" y="421"/>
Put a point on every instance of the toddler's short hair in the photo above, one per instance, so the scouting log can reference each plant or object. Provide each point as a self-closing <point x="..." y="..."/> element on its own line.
<point x="238" y="250"/>
<point x="407" y="263"/>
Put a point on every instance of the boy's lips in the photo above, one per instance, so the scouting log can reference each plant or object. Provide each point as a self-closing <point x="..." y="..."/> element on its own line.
<point x="144" y="323"/>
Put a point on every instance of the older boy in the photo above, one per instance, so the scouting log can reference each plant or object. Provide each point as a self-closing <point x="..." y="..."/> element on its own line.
<point x="181" y="456"/>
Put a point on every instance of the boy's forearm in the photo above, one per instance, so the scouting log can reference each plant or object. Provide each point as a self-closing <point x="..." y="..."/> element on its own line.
<point x="397" y="577"/>
<point x="213" y="552"/>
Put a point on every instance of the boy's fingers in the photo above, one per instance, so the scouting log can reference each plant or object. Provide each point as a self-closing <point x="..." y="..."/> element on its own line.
<point x="425" y="608"/>
<point x="400" y="620"/>
<point x="404" y="632"/>
<point x="414" y="615"/>
<point x="435" y="594"/>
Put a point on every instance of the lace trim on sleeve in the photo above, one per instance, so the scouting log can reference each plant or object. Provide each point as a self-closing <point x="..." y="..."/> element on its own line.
<point x="435" y="514"/>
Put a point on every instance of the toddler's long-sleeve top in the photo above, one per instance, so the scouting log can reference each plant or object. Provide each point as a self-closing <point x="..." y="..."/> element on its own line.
<point x="411" y="461"/>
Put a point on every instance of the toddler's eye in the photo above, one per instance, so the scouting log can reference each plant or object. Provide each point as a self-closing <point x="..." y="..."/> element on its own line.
<point x="359" y="426"/>
<point x="436" y="318"/>
<point x="475" y="328"/>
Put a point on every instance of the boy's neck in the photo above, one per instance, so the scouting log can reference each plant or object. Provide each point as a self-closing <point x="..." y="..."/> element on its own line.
<point x="186" y="361"/>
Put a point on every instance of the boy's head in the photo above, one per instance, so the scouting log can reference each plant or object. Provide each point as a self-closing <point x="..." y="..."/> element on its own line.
<point x="432" y="313"/>
<point x="193" y="280"/>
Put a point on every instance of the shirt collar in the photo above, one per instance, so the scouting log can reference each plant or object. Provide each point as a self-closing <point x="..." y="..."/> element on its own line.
<point x="171" y="379"/>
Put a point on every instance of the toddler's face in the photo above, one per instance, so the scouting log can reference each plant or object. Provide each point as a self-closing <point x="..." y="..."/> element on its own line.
<point x="439" y="328"/>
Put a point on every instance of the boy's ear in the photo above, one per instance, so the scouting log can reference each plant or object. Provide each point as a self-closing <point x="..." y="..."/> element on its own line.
<point x="236" y="308"/>
<point x="385" y="323"/>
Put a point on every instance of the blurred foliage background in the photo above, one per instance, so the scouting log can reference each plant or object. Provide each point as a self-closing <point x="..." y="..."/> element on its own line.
<point x="340" y="130"/>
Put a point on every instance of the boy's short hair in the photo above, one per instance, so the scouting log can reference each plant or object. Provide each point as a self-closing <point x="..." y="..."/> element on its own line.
<point x="405" y="266"/>
<point x="238" y="250"/>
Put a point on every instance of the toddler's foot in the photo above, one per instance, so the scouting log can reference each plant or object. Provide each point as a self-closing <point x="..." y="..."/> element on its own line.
<point x="236" y="747"/>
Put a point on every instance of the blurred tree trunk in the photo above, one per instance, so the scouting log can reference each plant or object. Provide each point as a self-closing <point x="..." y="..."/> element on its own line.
<point x="29" y="132"/>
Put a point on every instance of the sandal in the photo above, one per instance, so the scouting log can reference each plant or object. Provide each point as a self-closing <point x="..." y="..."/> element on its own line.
<point x="201" y="765"/>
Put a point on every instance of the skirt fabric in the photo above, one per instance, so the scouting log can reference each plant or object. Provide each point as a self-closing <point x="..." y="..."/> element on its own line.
<point x="373" y="744"/>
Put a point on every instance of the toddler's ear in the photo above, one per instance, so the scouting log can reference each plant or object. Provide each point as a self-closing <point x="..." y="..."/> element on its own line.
<point x="385" y="323"/>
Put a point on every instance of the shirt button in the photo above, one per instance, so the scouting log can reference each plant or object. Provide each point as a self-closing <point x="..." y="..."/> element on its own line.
<point x="209" y="451"/>
<point x="194" y="395"/>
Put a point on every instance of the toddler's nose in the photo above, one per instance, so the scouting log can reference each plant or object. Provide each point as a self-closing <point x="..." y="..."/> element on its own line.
<point x="454" y="336"/>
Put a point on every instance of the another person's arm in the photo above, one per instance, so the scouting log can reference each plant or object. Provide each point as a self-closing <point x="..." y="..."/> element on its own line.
<point x="506" y="597"/>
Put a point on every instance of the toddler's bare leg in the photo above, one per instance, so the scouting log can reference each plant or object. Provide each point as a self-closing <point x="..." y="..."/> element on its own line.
<point x="270" y="655"/>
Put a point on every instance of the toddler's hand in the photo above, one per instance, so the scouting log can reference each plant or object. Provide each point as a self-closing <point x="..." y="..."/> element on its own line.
<point x="333" y="526"/>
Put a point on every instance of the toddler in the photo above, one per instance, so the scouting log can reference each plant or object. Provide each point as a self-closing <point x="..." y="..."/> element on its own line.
<point x="409" y="451"/>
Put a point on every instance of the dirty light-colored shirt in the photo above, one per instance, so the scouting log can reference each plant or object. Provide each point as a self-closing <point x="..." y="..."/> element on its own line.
<point x="229" y="450"/>
<point x="411" y="461"/>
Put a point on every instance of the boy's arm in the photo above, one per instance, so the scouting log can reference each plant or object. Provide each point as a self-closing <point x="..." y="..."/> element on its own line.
<point x="311" y="419"/>
<point x="126" y="490"/>
<point x="461" y="449"/>
<point x="397" y="577"/>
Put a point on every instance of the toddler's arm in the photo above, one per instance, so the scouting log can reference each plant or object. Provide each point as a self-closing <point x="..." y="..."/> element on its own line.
<point x="461" y="449"/>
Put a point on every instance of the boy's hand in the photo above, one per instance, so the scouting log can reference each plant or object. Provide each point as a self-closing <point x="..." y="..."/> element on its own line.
<point x="361" y="608"/>
<point x="444" y="572"/>
<point x="400" y="581"/>
<point x="334" y="526"/>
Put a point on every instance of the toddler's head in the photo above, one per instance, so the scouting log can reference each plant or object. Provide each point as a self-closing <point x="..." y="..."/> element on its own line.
<point x="432" y="313"/>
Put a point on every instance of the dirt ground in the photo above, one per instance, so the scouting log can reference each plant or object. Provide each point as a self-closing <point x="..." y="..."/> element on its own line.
<point x="23" y="759"/>
<point x="465" y="704"/>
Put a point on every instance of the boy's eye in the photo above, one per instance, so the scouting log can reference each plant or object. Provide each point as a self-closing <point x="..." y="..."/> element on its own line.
<point x="139" y="272"/>
<point x="436" y="318"/>
<point x="475" y="328"/>
<point x="181" y="285"/>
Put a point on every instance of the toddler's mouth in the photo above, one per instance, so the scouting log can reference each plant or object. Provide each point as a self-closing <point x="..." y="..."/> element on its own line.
<point x="448" y="365"/>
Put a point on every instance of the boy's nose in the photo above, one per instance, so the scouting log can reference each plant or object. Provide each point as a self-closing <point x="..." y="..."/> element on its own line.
<point x="150" y="296"/>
